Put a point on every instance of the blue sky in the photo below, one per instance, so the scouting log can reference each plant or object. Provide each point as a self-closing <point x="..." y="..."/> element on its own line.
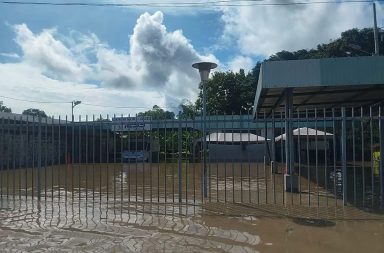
<point x="138" y="57"/>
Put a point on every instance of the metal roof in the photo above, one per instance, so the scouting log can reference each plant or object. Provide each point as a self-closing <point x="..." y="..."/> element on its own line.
<point x="321" y="83"/>
<point x="221" y="138"/>
<point x="305" y="131"/>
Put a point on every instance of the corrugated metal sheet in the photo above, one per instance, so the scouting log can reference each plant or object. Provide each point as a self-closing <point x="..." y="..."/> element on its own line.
<point x="317" y="82"/>
<point x="304" y="131"/>
<point x="366" y="70"/>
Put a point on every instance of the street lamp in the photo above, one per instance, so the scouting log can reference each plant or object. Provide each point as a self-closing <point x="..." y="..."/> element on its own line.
<point x="204" y="69"/>
<point x="74" y="103"/>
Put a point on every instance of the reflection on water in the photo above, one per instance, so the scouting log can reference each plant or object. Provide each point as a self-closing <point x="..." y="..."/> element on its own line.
<point x="107" y="208"/>
<point x="92" y="226"/>
<point x="104" y="227"/>
<point x="146" y="182"/>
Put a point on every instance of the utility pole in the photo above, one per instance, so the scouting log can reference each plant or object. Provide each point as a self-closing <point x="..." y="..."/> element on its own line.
<point x="375" y="31"/>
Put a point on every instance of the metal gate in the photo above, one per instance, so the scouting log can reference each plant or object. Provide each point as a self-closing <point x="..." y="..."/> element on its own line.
<point x="222" y="158"/>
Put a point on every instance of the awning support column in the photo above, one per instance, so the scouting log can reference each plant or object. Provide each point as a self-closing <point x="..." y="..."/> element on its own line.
<point x="290" y="180"/>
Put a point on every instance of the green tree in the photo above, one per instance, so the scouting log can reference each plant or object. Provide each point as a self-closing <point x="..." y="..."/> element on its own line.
<point x="188" y="110"/>
<point x="353" y="42"/>
<point x="35" y="112"/>
<point x="157" y="113"/>
<point x="229" y="92"/>
<point x="3" y="108"/>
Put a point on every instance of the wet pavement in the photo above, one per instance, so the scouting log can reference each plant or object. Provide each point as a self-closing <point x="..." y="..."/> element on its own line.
<point x="109" y="210"/>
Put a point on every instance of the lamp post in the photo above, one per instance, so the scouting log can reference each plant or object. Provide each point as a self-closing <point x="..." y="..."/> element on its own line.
<point x="204" y="70"/>
<point x="74" y="103"/>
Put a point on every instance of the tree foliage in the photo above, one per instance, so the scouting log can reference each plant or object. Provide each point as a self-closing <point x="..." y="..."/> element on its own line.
<point x="35" y="112"/>
<point x="157" y="113"/>
<point x="188" y="110"/>
<point x="229" y="92"/>
<point x="3" y="108"/>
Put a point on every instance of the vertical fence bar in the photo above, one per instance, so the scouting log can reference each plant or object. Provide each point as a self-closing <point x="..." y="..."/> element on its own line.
<point x="233" y="165"/>
<point x="121" y="133"/>
<point x="86" y="158"/>
<point x="158" y="159"/>
<point x="38" y="185"/>
<point x="93" y="159"/>
<point x="73" y="157"/>
<point x="100" y="157"/>
<point x="26" y="157"/>
<point x="128" y="161"/>
<point x="283" y="157"/>
<point x="194" y="163"/>
<point x="144" y="149"/>
<point x="20" y="153"/>
<point x="185" y="147"/>
<point x="165" y="161"/>
<point x="334" y="156"/>
<point x="45" y="158"/>
<point x="59" y="159"/>
<point x="362" y="153"/>
<point x="179" y="157"/>
<point x="33" y="146"/>
<point x="150" y="159"/>
<point x="325" y="157"/>
<point x="354" y="157"/>
<point x="225" y="162"/>
<point x="266" y="149"/>
<point x="381" y="172"/>
<point x="308" y="159"/>
<point x="107" y="131"/>
<point x="3" y="157"/>
<point x="317" y="161"/>
<point x="299" y="153"/>
<point x="112" y="127"/>
<point x="9" y="154"/>
<point x="249" y="118"/>
<point x="66" y="159"/>
<point x="344" y="154"/>
<point x="371" y="157"/>
<point x="173" y="159"/>
<point x="14" y="126"/>
<point x="136" y="166"/>
<point x="209" y="159"/>
<point x="80" y="167"/>
<point x="241" y="160"/>
<point x="273" y="162"/>
<point x="52" y="155"/>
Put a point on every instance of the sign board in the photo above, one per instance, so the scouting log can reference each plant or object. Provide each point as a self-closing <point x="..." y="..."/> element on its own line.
<point x="140" y="123"/>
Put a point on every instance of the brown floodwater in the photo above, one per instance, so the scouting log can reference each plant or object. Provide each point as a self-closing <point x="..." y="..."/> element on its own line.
<point x="133" y="208"/>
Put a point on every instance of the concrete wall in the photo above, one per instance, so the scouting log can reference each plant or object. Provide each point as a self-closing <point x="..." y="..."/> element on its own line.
<point x="236" y="153"/>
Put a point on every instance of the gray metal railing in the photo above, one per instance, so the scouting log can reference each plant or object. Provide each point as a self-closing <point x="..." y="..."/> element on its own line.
<point x="336" y="158"/>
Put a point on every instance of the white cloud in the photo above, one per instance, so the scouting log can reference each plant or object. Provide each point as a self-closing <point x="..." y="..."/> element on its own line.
<point x="241" y="62"/>
<point x="264" y="30"/>
<point x="25" y="81"/>
<point x="10" y="55"/>
<point x="49" y="54"/>
<point x="156" y="70"/>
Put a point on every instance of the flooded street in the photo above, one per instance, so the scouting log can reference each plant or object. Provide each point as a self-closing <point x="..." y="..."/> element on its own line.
<point x="129" y="208"/>
<point x="95" y="227"/>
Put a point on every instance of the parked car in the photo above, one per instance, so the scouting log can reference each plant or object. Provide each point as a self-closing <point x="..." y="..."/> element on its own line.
<point x="134" y="156"/>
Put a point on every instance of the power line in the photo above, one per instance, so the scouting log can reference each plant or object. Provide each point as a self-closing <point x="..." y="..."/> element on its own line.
<point x="116" y="107"/>
<point x="35" y="101"/>
<point x="84" y="103"/>
<point x="219" y="3"/>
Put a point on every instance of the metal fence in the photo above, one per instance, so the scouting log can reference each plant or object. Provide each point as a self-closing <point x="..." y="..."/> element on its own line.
<point x="336" y="158"/>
